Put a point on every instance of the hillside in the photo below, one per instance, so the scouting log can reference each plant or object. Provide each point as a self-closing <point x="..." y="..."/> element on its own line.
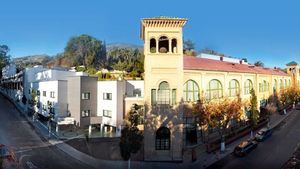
<point x="29" y="61"/>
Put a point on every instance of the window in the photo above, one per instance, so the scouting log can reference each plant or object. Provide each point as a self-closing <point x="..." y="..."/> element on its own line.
<point x="163" y="94"/>
<point x="38" y="93"/>
<point x="107" y="113"/>
<point x="163" y="44"/>
<point x="162" y="139"/>
<point x="281" y="84"/>
<point x="174" y="46"/>
<point x="85" y="113"/>
<point x="173" y="96"/>
<point x="285" y="83"/>
<point x="137" y="92"/>
<point x="107" y="96"/>
<point x="289" y="84"/>
<point x="52" y="94"/>
<point x="153" y="45"/>
<point x="190" y="91"/>
<point x="248" y="86"/>
<point x="44" y="107"/>
<point x="153" y="96"/>
<point x="215" y="90"/>
<point x="86" y="96"/>
<point x="44" y="93"/>
<point x="265" y="86"/>
<point x="275" y="85"/>
<point x="234" y="88"/>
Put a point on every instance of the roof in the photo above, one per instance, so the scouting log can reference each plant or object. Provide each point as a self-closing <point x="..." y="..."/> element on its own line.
<point x="292" y="63"/>
<point x="193" y="63"/>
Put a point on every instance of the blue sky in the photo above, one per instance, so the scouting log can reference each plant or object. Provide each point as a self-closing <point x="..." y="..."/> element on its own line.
<point x="258" y="30"/>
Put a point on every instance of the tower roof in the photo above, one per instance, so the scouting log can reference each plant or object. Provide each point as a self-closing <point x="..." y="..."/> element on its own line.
<point x="292" y="63"/>
<point x="162" y="21"/>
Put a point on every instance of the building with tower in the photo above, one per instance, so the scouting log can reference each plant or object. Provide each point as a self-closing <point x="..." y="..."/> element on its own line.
<point x="172" y="80"/>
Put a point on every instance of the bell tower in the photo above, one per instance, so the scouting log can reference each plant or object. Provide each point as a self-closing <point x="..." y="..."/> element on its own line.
<point x="163" y="65"/>
<point x="293" y="69"/>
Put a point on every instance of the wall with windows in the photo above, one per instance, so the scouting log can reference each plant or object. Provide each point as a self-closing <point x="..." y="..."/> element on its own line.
<point x="214" y="85"/>
<point x="51" y="97"/>
<point x="110" y="105"/>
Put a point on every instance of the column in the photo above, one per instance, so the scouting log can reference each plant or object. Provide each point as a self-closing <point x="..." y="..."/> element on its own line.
<point x="170" y="46"/>
<point x="90" y="130"/>
<point x="157" y="50"/>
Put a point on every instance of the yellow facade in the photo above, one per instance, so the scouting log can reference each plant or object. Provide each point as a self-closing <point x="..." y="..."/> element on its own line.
<point x="166" y="86"/>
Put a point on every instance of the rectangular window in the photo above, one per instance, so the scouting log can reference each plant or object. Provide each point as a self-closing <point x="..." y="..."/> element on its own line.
<point x="153" y="96"/>
<point x="52" y="94"/>
<point x="107" y="113"/>
<point x="173" y="96"/>
<point x="38" y="93"/>
<point x="86" y="96"/>
<point x="107" y="96"/>
<point x="85" y="113"/>
<point x="44" y="93"/>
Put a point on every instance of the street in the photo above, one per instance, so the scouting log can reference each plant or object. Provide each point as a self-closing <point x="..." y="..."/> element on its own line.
<point x="273" y="152"/>
<point x="31" y="151"/>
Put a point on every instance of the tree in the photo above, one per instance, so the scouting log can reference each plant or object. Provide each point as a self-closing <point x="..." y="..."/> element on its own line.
<point x="4" y="57"/>
<point x="254" y="113"/>
<point x="131" y="138"/>
<point x="259" y="63"/>
<point x="85" y="50"/>
<point x="189" y="48"/>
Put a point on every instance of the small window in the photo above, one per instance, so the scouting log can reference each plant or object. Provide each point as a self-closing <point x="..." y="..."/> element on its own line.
<point x="153" y="96"/>
<point x="85" y="113"/>
<point x="153" y="45"/>
<point x="173" y="96"/>
<point x="107" y="96"/>
<point x="44" y="93"/>
<point x="38" y="93"/>
<point x="107" y="113"/>
<point x="163" y="44"/>
<point x="86" y="96"/>
<point x="52" y="94"/>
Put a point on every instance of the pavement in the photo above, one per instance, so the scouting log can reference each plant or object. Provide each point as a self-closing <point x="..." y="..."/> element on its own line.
<point x="45" y="152"/>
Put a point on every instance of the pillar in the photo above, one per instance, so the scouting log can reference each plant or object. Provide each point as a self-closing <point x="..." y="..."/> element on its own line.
<point x="90" y="130"/>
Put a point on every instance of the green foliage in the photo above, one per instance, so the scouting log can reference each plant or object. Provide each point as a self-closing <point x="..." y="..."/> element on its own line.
<point x="33" y="98"/>
<point x="189" y="48"/>
<point x="85" y="50"/>
<point x="4" y="57"/>
<point x="254" y="113"/>
<point x="259" y="63"/>
<point x="91" y="71"/>
<point x="80" y="69"/>
<point x="130" y="142"/>
<point x="125" y="59"/>
<point x="131" y="138"/>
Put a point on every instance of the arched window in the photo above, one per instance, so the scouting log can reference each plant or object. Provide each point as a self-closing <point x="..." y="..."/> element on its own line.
<point x="275" y="85"/>
<point x="163" y="44"/>
<point x="190" y="91"/>
<point x="265" y="86"/>
<point x="174" y="45"/>
<point x="281" y="84"/>
<point x="162" y="139"/>
<point x="248" y="86"/>
<point x="163" y="94"/>
<point x="215" y="90"/>
<point x="285" y="83"/>
<point x="234" y="88"/>
<point x="153" y="45"/>
<point x="289" y="83"/>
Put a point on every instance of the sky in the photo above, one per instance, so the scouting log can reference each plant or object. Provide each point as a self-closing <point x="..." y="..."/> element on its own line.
<point x="267" y="30"/>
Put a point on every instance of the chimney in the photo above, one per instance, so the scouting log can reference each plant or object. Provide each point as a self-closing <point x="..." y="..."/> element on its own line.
<point x="221" y="58"/>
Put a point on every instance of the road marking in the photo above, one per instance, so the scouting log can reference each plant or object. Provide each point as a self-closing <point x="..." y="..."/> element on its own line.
<point x="30" y="165"/>
<point x="22" y="151"/>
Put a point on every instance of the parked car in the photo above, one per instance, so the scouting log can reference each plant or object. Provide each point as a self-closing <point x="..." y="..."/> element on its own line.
<point x="245" y="147"/>
<point x="263" y="134"/>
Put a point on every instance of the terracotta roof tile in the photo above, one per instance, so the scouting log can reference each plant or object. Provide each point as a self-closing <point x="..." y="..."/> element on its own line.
<point x="193" y="63"/>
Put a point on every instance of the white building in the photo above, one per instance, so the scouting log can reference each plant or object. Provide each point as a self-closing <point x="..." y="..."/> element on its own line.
<point x="9" y="71"/>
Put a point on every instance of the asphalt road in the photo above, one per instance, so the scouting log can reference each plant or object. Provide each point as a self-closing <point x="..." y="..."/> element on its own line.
<point x="273" y="152"/>
<point x="31" y="151"/>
